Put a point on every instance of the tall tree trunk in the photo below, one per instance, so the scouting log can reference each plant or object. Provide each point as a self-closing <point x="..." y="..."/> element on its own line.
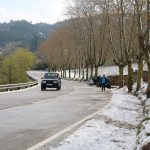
<point x="69" y="71"/>
<point x="63" y="71"/>
<point x="91" y="70"/>
<point x="56" y="69"/>
<point x="148" y="47"/>
<point x="83" y="73"/>
<point x="148" y="85"/>
<point x="130" y="73"/>
<point x="96" y="70"/>
<point x="121" y="78"/>
<point x="79" y="71"/>
<point x="75" y="71"/>
<point x="87" y="72"/>
<point x="139" y="73"/>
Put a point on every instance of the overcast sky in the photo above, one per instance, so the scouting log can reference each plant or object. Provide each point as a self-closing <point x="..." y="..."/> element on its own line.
<point x="47" y="11"/>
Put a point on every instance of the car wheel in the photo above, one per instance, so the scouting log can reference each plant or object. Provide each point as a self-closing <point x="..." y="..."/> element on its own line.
<point x="58" y="88"/>
<point x="43" y="88"/>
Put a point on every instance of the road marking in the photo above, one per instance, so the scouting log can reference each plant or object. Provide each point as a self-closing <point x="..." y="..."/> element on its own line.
<point x="46" y="141"/>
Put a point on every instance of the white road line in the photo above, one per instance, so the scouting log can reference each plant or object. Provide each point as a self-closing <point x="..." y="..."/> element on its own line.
<point x="46" y="141"/>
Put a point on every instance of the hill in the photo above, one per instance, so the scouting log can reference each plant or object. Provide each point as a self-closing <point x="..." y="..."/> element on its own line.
<point x="24" y="34"/>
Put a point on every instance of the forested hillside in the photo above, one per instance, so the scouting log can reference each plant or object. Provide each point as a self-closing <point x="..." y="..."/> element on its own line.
<point x="24" y="34"/>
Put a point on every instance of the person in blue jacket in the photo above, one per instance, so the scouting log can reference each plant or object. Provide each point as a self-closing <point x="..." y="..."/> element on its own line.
<point x="103" y="82"/>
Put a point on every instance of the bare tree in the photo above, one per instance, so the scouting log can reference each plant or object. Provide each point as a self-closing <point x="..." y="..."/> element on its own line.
<point x="123" y="36"/>
<point x="142" y="10"/>
<point x="91" y="33"/>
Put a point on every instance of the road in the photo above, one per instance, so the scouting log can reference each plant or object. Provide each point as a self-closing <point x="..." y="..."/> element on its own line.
<point x="27" y="117"/>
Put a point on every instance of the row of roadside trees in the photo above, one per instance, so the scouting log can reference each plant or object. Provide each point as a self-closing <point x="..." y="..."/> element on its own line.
<point x="99" y="30"/>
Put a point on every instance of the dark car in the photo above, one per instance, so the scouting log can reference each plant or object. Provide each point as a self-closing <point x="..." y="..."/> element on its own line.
<point x="108" y="85"/>
<point x="51" y="80"/>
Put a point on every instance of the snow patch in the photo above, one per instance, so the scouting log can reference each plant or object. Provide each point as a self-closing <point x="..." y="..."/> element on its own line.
<point x="119" y="133"/>
<point x="144" y="129"/>
<point x="98" y="135"/>
<point x="124" y="107"/>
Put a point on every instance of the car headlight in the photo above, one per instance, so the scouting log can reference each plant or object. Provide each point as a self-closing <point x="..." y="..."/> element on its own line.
<point x="43" y="81"/>
<point x="55" y="82"/>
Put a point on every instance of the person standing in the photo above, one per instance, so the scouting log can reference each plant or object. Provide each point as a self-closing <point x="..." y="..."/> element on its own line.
<point x="103" y="82"/>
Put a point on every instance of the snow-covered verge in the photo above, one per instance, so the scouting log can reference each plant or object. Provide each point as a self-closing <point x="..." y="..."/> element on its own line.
<point x="143" y="138"/>
<point x="115" y="128"/>
<point x="108" y="71"/>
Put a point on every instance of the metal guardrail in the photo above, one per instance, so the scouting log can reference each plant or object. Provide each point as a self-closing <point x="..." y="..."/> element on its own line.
<point x="11" y="87"/>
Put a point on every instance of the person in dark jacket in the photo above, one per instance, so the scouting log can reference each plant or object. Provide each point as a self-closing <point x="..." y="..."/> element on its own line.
<point x="103" y="82"/>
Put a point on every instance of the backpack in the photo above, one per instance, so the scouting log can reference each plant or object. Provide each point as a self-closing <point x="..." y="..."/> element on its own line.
<point x="103" y="80"/>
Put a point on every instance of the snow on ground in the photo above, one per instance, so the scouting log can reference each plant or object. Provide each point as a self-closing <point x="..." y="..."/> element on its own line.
<point x="114" y="70"/>
<point x="143" y="138"/>
<point x="124" y="108"/>
<point x="113" y="129"/>
<point x="141" y="94"/>
<point x="108" y="71"/>
<point x="98" y="135"/>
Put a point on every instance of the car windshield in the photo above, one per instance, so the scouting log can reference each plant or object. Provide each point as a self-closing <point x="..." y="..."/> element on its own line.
<point x="51" y="76"/>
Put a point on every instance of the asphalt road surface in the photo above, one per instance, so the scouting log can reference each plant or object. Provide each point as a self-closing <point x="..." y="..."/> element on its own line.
<point x="27" y="117"/>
